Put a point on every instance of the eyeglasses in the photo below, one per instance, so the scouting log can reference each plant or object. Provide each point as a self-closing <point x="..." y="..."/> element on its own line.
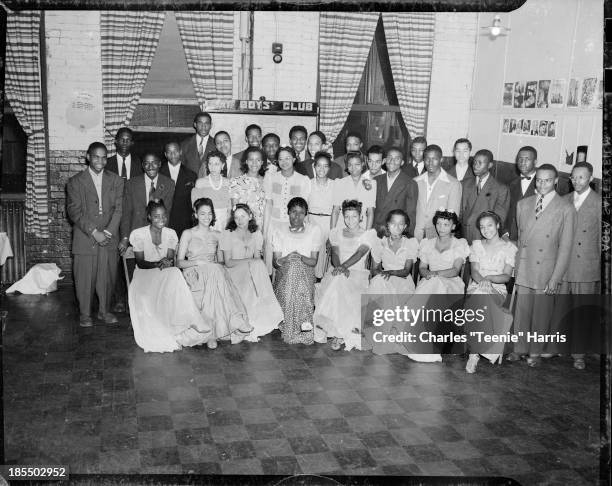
<point x="545" y="180"/>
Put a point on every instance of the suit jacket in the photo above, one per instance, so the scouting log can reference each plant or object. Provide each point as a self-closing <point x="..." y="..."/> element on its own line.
<point x="135" y="165"/>
<point x="135" y="204"/>
<point x="545" y="244"/>
<point x="452" y="170"/>
<point x="516" y="195"/>
<point x="403" y="195"/>
<point x="585" y="259"/>
<point x="411" y="171"/>
<point x="307" y="168"/>
<point x="180" y="215"/>
<point x="235" y="167"/>
<point x="494" y="196"/>
<point x="83" y="210"/>
<point x="191" y="158"/>
<point x="446" y="194"/>
<point x="342" y="163"/>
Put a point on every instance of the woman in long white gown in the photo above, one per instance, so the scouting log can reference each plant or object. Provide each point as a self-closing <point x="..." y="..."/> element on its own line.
<point x="163" y="313"/>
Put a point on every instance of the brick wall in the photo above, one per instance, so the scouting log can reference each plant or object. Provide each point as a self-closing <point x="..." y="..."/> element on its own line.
<point x="451" y="78"/>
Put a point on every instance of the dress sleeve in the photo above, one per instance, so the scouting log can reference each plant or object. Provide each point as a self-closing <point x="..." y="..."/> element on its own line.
<point x="462" y="249"/>
<point x="412" y="249"/>
<point x="267" y="184"/>
<point x="234" y="188"/>
<point x="510" y="254"/>
<point x="370" y="198"/>
<point x="258" y="241"/>
<point x="171" y="239"/>
<point x="277" y="241"/>
<point x="475" y="250"/>
<point x="334" y="237"/>
<point x="137" y="239"/>
<point x="316" y="237"/>
<point x="424" y="250"/>
<point x="377" y="250"/>
<point x="369" y="238"/>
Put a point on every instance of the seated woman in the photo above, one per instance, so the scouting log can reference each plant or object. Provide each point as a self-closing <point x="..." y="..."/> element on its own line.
<point x="214" y="186"/>
<point x="338" y="298"/>
<point x="492" y="263"/>
<point x="242" y="248"/>
<point x="163" y="314"/>
<point x="213" y="291"/>
<point x="295" y="250"/>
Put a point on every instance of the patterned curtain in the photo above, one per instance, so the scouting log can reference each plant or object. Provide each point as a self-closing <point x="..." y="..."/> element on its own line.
<point x="410" y="42"/>
<point x="129" y="41"/>
<point x="208" y="42"/>
<point x="344" y="44"/>
<point x="23" y="91"/>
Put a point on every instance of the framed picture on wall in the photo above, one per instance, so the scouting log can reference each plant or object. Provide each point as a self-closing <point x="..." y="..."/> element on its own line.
<point x="519" y="94"/>
<point x="534" y="128"/>
<point x="552" y="129"/>
<point x="598" y="99"/>
<point x="573" y="94"/>
<point x="506" y="125"/>
<point x="589" y="87"/>
<point x="512" y="125"/>
<point x="526" y="126"/>
<point x="543" y="129"/>
<point x="531" y="91"/>
<point x="556" y="93"/>
<point x="543" y="89"/>
<point x="507" y="96"/>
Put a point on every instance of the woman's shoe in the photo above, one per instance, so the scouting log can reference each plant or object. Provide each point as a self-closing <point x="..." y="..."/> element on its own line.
<point x="306" y="327"/>
<point x="533" y="361"/>
<point x="212" y="344"/>
<point x="579" y="364"/>
<point x="513" y="357"/>
<point x="336" y="344"/>
<point x="472" y="362"/>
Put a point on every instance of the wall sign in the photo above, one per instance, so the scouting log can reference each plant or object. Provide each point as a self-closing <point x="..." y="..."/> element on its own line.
<point x="265" y="107"/>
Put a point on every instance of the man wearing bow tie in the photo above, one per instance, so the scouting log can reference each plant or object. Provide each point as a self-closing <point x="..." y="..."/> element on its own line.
<point x="521" y="187"/>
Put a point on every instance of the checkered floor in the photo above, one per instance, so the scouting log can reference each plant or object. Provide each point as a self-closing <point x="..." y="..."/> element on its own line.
<point x="90" y="398"/>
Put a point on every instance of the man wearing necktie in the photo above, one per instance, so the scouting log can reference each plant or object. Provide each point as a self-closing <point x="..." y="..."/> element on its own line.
<point x="521" y="187"/>
<point x="124" y="163"/>
<point x="196" y="148"/>
<point x="545" y="224"/>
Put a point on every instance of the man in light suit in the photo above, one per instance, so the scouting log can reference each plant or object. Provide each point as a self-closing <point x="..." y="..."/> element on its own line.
<point x="415" y="166"/>
<point x="125" y="163"/>
<point x="545" y="234"/>
<point x="138" y="192"/>
<point x="521" y="187"/>
<point x="437" y="190"/>
<point x="94" y="205"/>
<point x="394" y="190"/>
<point x="223" y="142"/>
<point x="196" y="148"/>
<point x="184" y="181"/>
<point x="252" y="136"/>
<point x="583" y="275"/>
<point x="481" y="193"/>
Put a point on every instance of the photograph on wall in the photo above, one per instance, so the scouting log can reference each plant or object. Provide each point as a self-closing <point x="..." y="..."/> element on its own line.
<point x="556" y="93"/>
<point x="589" y="87"/>
<point x="508" y="90"/>
<point x="598" y="100"/>
<point x="573" y="95"/>
<point x="552" y="129"/>
<point x="531" y="90"/>
<point x="519" y="94"/>
<point x="543" y="89"/>
<point x="534" y="128"/>
<point x="526" y="126"/>
<point x="512" y="125"/>
<point x="543" y="130"/>
<point x="506" y="125"/>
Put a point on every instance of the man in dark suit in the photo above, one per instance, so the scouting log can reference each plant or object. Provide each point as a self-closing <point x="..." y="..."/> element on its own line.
<point x="353" y="142"/>
<point x="252" y="136"/>
<point x="546" y="224"/>
<point x="395" y="190"/>
<point x="521" y="187"/>
<point x="416" y="165"/>
<point x="233" y="166"/>
<point x="316" y="142"/>
<point x="297" y="139"/>
<point x="125" y="163"/>
<point x="196" y="148"/>
<point x="270" y="144"/>
<point x="461" y="165"/>
<point x="94" y="205"/>
<point x="138" y="192"/>
<point x="481" y="193"/>
<point x="184" y="181"/>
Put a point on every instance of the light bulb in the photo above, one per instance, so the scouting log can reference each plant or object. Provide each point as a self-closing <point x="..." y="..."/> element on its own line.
<point x="495" y="31"/>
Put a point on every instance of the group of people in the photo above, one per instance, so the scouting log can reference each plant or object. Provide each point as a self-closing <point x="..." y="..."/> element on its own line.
<point x="230" y="246"/>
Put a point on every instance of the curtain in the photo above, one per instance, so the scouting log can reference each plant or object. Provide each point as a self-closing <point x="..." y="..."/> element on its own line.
<point x="344" y="44"/>
<point x="208" y="42"/>
<point x="129" y="41"/>
<point x="23" y="91"/>
<point x="410" y="42"/>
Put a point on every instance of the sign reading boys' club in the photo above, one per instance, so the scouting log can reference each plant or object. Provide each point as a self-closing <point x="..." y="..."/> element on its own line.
<point x="262" y="107"/>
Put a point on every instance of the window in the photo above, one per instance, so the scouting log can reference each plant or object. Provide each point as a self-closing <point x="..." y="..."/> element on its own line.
<point x="376" y="113"/>
<point x="14" y="155"/>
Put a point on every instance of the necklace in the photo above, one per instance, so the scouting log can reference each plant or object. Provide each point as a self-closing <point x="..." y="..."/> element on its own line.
<point x="212" y="185"/>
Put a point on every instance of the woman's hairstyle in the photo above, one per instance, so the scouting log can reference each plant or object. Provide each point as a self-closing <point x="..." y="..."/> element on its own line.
<point x="351" y="204"/>
<point x="319" y="134"/>
<point x="448" y="215"/>
<point x="354" y="155"/>
<point x="204" y="201"/>
<point x="298" y="201"/>
<point x="216" y="153"/>
<point x="244" y="167"/>
<point x="153" y="205"/>
<point x="231" y="224"/>
<point x="321" y="154"/>
<point x="397" y="212"/>
<point x="286" y="149"/>
<point x="490" y="214"/>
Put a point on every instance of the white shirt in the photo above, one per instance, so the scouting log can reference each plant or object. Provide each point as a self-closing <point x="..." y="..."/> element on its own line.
<point x="203" y="141"/>
<point x="481" y="182"/>
<point x="97" y="180"/>
<point x="128" y="164"/>
<point x="418" y="167"/>
<point x="579" y="198"/>
<point x="148" y="186"/>
<point x="461" y="170"/>
<point x="367" y="174"/>
<point x="390" y="180"/>
<point x="174" y="171"/>
<point x="525" y="182"/>
<point x="302" y="155"/>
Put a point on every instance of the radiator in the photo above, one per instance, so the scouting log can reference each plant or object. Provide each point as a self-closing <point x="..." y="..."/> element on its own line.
<point x="12" y="222"/>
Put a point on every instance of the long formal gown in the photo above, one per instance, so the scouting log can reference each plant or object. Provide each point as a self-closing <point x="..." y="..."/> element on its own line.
<point x="163" y="313"/>
<point x="294" y="281"/>
<point x="250" y="191"/>
<point x="219" y="194"/>
<point x="253" y="283"/>
<point x="216" y="297"/>
<point x="436" y="261"/>
<point x="338" y="298"/>
<point x="320" y="204"/>
<point x="498" y="321"/>
<point x="346" y="188"/>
